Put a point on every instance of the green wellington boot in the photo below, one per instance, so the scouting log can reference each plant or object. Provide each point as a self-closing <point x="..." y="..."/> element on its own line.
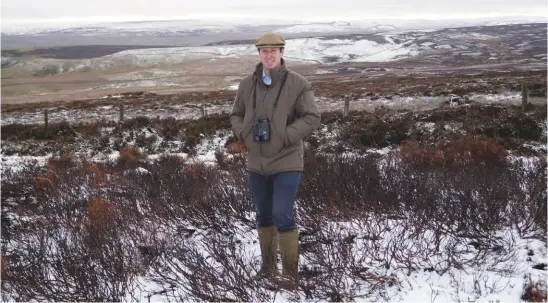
<point x="268" y="241"/>
<point x="289" y="249"/>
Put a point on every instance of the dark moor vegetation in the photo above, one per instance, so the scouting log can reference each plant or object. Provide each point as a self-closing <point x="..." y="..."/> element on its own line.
<point x="446" y="197"/>
<point x="510" y="126"/>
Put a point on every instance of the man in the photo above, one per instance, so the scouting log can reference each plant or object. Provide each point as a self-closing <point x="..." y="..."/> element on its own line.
<point x="272" y="113"/>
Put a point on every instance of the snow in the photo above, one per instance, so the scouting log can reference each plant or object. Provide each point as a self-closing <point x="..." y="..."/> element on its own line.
<point x="347" y="50"/>
<point x="472" y="36"/>
<point x="495" y="98"/>
<point x="326" y="27"/>
<point x="142" y="170"/>
<point x="142" y="83"/>
<point x="474" y="54"/>
<point x="323" y="72"/>
<point x="16" y="163"/>
<point x="209" y="146"/>
<point x="428" y="127"/>
<point x="171" y="53"/>
<point x="144" y="75"/>
<point x="502" y="282"/>
<point x="311" y="49"/>
<point x="444" y="46"/>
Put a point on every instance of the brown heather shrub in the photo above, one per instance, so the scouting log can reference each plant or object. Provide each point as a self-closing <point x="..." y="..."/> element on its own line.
<point x="130" y="156"/>
<point x="412" y="152"/>
<point x="93" y="129"/>
<point x="3" y="267"/>
<point x="174" y="160"/>
<point x="61" y="163"/>
<point x="102" y="218"/>
<point x="454" y="153"/>
<point x="43" y="183"/>
<point x="197" y="171"/>
<point x="236" y="147"/>
<point x="135" y="123"/>
<point x="206" y="126"/>
<point x="376" y="130"/>
<point x="236" y="165"/>
<point x="476" y="150"/>
<point x="170" y="129"/>
<point x="100" y="211"/>
<point x="96" y="173"/>
<point x="535" y="292"/>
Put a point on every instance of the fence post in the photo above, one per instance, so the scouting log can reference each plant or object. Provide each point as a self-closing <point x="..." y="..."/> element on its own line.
<point x="203" y="110"/>
<point x="346" y="106"/>
<point x="121" y="113"/>
<point x="46" y="118"/>
<point x="524" y="95"/>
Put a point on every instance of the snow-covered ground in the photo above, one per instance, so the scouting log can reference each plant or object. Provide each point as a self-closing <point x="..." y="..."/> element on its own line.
<point x="501" y="278"/>
<point x="302" y="49"/>
<point x="494" y="281"/>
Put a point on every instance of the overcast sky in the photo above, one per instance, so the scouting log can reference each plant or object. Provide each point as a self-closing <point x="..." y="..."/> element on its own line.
<point x="17" y="11"/>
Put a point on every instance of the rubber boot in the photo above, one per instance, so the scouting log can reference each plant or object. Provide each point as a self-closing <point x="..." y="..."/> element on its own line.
<point x="289" y="249"/>
<point x="268" y="241"/>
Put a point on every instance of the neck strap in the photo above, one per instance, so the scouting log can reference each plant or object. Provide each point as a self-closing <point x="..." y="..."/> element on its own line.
<point x="254" y="89"/>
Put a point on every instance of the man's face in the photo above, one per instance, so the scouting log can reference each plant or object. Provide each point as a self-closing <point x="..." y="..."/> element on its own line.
<point x="270" y="57"/>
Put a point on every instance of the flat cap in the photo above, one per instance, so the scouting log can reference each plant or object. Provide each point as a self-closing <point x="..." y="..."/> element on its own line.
<point x="270" y="40"/>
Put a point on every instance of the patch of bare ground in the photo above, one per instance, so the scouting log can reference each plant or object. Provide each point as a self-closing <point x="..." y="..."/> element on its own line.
<point x="431" y="84"/>
<point x="122" y="76"/>
<point x="75" y="52"/>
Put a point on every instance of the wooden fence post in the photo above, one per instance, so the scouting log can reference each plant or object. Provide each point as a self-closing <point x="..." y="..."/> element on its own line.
<point x="121" y="113"/>
<point x="524" y="95"/>
<point x="46" y="118"/>
<point x="203" y="110"/>
<point x="346" y="107"/>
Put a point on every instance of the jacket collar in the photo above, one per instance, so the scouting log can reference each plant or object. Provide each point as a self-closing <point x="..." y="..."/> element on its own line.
<point x="275" y="74"/>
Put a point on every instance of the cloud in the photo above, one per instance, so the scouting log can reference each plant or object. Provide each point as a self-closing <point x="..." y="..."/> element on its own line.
<point x="121" y="10"/>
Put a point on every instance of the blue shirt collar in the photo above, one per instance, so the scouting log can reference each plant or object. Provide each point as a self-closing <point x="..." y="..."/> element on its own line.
<point x="267" y="80"/>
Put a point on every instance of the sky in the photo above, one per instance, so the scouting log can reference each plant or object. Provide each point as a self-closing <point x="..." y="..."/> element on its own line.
<point x="15" y="12"/>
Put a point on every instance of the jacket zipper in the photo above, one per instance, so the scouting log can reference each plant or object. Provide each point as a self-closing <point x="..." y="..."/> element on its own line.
<point x="264" y="105"/>
<point x="261" y="142"/>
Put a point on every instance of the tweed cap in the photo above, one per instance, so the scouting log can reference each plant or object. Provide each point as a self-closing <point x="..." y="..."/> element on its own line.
<point x="270" y="40"/>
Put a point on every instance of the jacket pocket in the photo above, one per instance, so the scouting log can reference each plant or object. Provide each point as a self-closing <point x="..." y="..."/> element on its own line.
<point x="253" y="147"/>
<point x="277" y="136"/>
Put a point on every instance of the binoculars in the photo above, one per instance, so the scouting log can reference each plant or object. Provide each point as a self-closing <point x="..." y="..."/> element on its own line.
<point x="261" y="129"/>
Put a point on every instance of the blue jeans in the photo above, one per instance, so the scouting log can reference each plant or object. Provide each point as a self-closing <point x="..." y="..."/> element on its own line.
<point x="274" y="198"/>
